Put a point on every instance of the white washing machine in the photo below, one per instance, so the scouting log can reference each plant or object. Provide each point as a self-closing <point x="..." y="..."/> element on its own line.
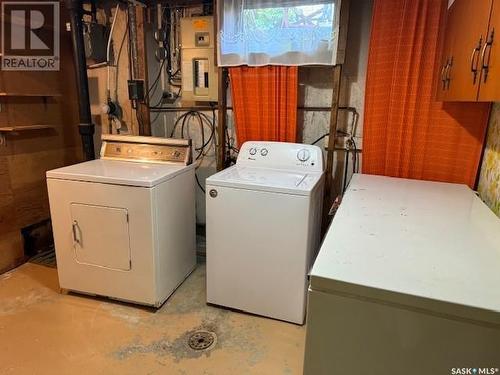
<point x="124" y="225"/>
<point x="263" y="229"/>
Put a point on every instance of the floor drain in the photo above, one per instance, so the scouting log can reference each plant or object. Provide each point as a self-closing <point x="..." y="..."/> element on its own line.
<point x="201" y="340"/>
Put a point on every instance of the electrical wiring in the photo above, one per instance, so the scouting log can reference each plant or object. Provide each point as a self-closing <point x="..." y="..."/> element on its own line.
<point x="156" y="117"/>
<point x="119" y="55"/>
<point x="158" y="107"/>
<point x="339" y="132"/>
<point x="350" y="144"/>
<point x="320" y="138"/>
<point x="130" y="74"/>
<point x="201" y="116"/>
<point x="182" y="125"/>
<point x="167" y="24"/>
<point x="138" y="116"/>
<point x="199" y="184"/>
<point x="355" y="165"/>
<point x="108" y="48"/>
<point x="229" y="140"/>
<point x="230" y="145"/>
<point x="151" y="91"/>
<point x="212" y="128"/>
<point x="113" y="58"/>
<point x="154" y="85"/>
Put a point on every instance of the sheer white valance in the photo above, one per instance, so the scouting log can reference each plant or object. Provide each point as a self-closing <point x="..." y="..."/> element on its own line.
<point x="271" y="32"/>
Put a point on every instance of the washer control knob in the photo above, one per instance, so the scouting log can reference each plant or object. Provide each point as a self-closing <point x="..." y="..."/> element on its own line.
<point x="264" y="152"/>
<point x="303" y="155"/>
<point x="253" y="151"/>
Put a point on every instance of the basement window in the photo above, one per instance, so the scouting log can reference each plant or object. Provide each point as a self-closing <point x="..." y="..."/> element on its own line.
<point x="293" y="32"/>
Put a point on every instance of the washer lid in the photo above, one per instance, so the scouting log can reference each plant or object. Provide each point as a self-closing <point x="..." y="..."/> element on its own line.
<point x="119" y="172"/>
<point x="263" y="179"/>
<point x="426" y="245"/>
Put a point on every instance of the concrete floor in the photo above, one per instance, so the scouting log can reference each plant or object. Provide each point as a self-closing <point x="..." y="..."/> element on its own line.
<point x="45" y="332"/>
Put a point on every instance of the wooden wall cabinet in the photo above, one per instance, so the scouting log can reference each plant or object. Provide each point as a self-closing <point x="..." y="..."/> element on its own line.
<point x="489" y="89"/>
<point x="470" y="65"/>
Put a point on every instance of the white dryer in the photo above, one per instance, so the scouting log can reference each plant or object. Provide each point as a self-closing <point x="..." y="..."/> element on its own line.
<point x="124" y="225"/>
<point x="263" y="229"/>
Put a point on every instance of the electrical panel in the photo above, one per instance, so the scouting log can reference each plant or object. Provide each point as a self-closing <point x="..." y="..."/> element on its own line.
<point x="199" y="72"/>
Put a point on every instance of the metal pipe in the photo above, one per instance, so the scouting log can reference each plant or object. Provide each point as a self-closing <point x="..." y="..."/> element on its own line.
<point x="346" y="164"/>
<point x="181" y="109"/>
<point x="86" y="128"/>
<point x="205" y="108"/>
<point x="325" y="109"/>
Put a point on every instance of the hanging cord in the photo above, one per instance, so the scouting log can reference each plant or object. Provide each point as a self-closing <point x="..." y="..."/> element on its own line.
<point x="229" y="140"/>
<point x="108" y="51"/>
<point x="320" y="138"/>
<point x="154" y="86"/>
<point x="350" y="145"/>
<point x="119" y="55"/>
<point x="202" y="121"/>
<point x="199" y="183"/>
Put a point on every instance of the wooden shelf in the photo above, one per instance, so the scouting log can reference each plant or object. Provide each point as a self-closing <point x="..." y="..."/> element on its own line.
<point x="12" y="94"/>
<point x="14" y="129"/>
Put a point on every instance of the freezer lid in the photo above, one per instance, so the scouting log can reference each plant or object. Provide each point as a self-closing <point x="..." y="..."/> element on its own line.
<point x="263" y="179"/>
<point x="119" y="172"/>
<point x="427" y="245"/>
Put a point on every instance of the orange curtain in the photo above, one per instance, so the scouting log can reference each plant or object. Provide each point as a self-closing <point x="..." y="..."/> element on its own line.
<point x="265" y="103"/>
<point x="407" y="133"/>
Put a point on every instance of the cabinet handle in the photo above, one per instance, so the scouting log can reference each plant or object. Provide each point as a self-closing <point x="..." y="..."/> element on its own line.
<point x="474" y="62"/>
<point x="448" y="68"/>
<point x="486" y="63"/>
<point x="443" y="77"/>
<point x="75" y="229"/>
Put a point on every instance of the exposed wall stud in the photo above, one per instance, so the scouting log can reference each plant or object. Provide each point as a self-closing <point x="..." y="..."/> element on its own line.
<point x="329" y="198"/>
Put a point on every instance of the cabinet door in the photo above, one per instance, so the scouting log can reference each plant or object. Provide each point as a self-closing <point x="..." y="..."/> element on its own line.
<point x="101" y="236"/>
<point x="446" y="57"/>
<point x="471" y="18"/>
<point x="489" y="90"/>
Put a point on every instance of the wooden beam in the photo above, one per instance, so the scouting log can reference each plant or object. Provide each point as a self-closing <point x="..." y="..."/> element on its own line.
<point x="329" y="198"/>
<point x="142" y="66"/>
<point x="222" y="118"/>
<point x="334" y="111"/>
<point x="138" y="50"/>
<point x="343" y="28"/>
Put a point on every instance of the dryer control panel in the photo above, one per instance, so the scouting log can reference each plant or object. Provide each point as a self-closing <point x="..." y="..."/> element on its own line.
<point x="281" y="155"/>
<point x="146" y="149"/>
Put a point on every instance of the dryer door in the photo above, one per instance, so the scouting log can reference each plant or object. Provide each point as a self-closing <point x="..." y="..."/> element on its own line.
<point x="101" y="236"/>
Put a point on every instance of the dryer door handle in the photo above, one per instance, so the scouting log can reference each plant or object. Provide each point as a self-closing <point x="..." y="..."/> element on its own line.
<point x="75" y="228"/>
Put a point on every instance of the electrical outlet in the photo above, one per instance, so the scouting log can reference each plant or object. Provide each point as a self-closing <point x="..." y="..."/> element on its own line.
<point x="326" y="141"/>
<point x="136" y="89"/>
